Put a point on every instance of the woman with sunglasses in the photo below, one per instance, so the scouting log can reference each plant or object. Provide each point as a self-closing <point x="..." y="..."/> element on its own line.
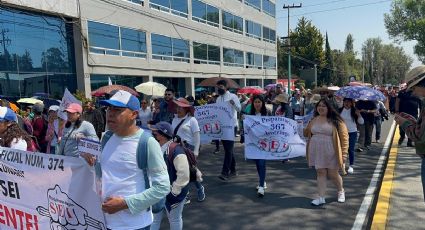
<point x="145" y="114"/>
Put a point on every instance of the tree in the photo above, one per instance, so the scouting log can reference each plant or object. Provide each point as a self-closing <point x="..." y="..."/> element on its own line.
<point x="406" y="22"/>
<point x="306" y="45"/>
<point x="328" y="73"/>
<point x="349" y="44"/>
<point x="54" y="60"/>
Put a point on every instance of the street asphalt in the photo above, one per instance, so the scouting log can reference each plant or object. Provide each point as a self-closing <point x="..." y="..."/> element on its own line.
<point x="286" y="204"/>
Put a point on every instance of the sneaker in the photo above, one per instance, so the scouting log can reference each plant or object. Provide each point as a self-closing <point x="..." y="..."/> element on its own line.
<point x="409" y="144"/>
<point x="265" y="186"/>
<point x="319" y="201"/>
<point x="367" y="147"/>
<point x="223" y="177"/>
<point x="359" y="149"/>
<point x="201" y="194"/>
<point x="187" y="199"/>
<point x="350" y="170"/>
<point x="216" y="151"/>
<point x="341" y="196"/>
<point x="260" y="191"/>
<point x="400" y="141"/>
<point x="378" y="141"/>
<point x="233" y="174"/>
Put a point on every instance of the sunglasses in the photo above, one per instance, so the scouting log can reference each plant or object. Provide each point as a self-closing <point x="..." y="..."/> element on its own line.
<point x="168" y="94"/>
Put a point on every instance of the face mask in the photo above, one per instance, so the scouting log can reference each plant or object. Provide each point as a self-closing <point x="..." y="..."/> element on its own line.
<point x="221" y="91"/>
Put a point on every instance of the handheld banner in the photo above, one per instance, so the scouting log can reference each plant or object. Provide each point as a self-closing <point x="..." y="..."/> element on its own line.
<point x="272" y="138"/>
<point x="302" y="122"/>
<point x="42" y="191"/>
<point x="89" y="146"/>
<point x="216" y="122"/>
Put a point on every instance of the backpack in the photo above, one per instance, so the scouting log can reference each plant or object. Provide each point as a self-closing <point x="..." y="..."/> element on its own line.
<point x="141" y="155"/>
<point x="190" y="158"/>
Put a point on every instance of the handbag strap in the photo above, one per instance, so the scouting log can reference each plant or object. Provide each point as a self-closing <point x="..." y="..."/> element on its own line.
<point x="178" y="127"/>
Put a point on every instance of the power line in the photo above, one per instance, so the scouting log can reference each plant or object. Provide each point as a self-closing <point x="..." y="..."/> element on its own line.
<point x="339" y="8"/>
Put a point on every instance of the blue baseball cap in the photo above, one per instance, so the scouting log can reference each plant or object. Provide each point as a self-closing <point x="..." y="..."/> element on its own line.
<point x="123" y="99"/>
<point x="164" y="128"/>
<point x="7" y="114"/>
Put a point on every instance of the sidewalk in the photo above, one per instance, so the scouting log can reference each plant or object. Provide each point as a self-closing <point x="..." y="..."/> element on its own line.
<point x="407" y="206"/>
<point x="400" y="204"/>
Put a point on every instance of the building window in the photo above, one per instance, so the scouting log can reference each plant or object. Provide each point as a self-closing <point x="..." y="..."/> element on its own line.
<point x="233" y="57"/>
<point x="176" y="7"/>
<point x="136" y="1"/>
<point x="202" y="12"/>
<point x="103" y="38"/>
<point x="113" y="40"/>
<point x="232" y="23"/>
<point x="253" y="29"/>
<point x="171" y="49"/>
<point x="99" y="80"/>
<point x="269" y="62"/>
<point x="254" y="60"/>
<point x="269" y="35"/>
<point x="36" y="56"/>
<point x="269" y="8"/>
<point x="206" y="54"/>
<point x="254" y="3"/>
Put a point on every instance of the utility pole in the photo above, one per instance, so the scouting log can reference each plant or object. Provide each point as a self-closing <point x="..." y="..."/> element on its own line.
<point x="363" y="68"/>
<point x="315" y="75"/>
<point x="5" y="41"/>
<point x="289" y="44"/>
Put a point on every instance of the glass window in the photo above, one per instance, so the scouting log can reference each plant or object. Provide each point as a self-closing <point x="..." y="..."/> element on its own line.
<point x="136" y="1"/>
<point x="269" y="35"/>
<point x="254" y="3"/>
<point x="253" y="29"/>
<point x="254" y="60"/>
<point x="269" y="8"/>
<point x="233" y="57"/>
<point x="200" y="51"/>
<point x="214" y="54"/>
<point x="99" y="80"/>
<point x="213" y="15"/>
<point x="103" y="36"/>
<point x="38" y="55"/>
<point x="177" y="7"/>
<point x="133" y="40"/>
<point x="232" y="22"/>
<point x="269" y="62"/>
<point x="180" y="48"/>
<point x="198" y="9"/>
<point x="161" y="47"/>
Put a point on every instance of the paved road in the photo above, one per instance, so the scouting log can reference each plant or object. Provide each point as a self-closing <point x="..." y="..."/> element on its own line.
<point x="286" y="204"/>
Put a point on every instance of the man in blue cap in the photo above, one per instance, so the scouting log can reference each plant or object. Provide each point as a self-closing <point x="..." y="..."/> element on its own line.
<point x="129" y="189"/>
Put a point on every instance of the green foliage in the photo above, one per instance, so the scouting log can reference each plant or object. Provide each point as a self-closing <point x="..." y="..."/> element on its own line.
<point x="299" y="84"/>
<point x="406" y="21"/>
<point x="81" y="96"/>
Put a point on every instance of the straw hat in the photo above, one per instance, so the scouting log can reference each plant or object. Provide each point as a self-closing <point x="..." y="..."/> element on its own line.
<point x="182" y="102"/>
<point x="281" y="98"/>
<point x="415" y="75"/>
<point x="315" y="98"/>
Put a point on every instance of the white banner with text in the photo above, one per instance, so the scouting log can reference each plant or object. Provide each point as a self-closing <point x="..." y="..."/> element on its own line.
<point x="272" y="138"/>
<point x="216" y="122"/>
<point x="42" y="191"/>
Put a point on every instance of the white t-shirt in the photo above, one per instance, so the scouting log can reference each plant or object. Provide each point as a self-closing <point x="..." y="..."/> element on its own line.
<point x="122" y="177"/>
<point x="145" y="116"/>
<point x="187" y="129"/>
<point x="349" y="121"/>
<point x="19" y="144"/>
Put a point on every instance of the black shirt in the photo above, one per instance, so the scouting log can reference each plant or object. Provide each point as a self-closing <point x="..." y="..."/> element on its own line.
<point x="367" y="105"/>
<point x="408" y="103"/>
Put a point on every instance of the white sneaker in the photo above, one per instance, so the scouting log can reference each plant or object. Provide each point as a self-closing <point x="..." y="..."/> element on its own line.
<point x="260" y="191"/>
<point x="350" y="170"/>
<point x="318" y="201"/>
<point x="341" y="196"/>
<point x="265" y="186"/>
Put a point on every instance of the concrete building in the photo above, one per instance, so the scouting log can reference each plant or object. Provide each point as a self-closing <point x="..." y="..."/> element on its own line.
<point x="83" y="43"/>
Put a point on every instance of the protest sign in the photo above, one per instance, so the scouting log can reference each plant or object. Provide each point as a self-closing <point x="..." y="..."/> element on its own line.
<point x="302" y="122"/>
<point x="40" y="191"/>
<point x="67" y="99"/>
<point x="215" y="121"/>
<point x="272" y="138"/>
<point x="89" y="146"/>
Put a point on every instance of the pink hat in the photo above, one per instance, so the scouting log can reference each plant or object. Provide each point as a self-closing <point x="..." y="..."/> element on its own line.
<point x="74" y="108"/>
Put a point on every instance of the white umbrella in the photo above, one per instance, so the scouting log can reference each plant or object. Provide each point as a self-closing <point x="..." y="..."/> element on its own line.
<point x="30" y="100"/>
<point x="151" y="88"/>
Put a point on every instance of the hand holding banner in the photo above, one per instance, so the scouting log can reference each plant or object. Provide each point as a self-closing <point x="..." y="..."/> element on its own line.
<point x="215" y="122"/>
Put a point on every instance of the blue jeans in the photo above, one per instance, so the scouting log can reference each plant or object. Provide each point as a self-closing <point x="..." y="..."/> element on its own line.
<point x="378" y="122"/>
<point x="352" y="139"/>
<point x="423" y="176"/>
<point x="261" y="170"/>
<point x="175" y="217"/>
<point x="229" y="163"/>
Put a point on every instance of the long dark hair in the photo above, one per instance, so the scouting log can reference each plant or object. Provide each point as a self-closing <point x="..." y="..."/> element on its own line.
<point x="14" y="131"/>
<point x="263" y="110"/>
<point x="332" y="116"/>
<point x="352" y="110"/>
<point x="77" y="123"/>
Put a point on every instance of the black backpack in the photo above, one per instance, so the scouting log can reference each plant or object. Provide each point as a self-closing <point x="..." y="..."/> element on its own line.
<point x="190" y="158"/>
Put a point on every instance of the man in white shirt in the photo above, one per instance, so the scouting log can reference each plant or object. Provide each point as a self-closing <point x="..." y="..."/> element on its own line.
<point x="126" y="193"/>
<point x="229" y="163"/>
